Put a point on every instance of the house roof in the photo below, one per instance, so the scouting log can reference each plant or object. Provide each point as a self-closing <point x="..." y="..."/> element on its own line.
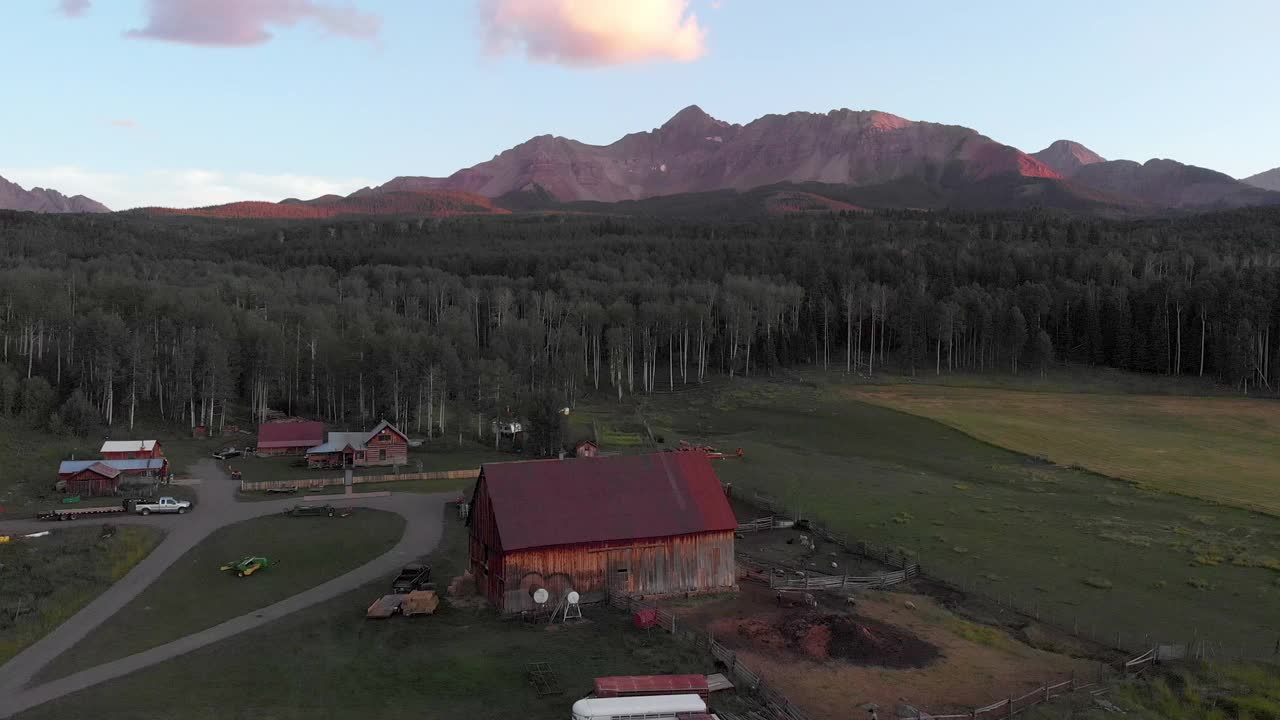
<point x="98" y="467"/>
<point x="128" y="446"/>
<point x="67" y="467"/>
<point x="290" y="434"/>
<point x="582" y="500"/>
<point x="338" y="441"/>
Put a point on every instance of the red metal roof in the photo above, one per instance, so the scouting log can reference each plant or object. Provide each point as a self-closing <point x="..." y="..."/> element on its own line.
<point x="104" y="470"/>
<point x="543" y="503"/>
<point x="626" y="685"/>
<point x="303" y="434"/>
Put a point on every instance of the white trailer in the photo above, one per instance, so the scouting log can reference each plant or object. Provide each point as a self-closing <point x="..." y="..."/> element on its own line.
<point x="650" y="707"/>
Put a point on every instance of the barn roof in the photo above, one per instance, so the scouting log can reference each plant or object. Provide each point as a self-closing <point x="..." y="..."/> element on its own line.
<point x="98" y="467"/>
<point x="290" y="434"/>
<point x="128" y="446"/>
<point x="66" y="467"/>
<point x="562" y="502"/>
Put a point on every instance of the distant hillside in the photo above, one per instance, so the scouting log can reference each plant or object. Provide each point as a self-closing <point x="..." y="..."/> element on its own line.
<point x="432" y="204"/>
<point x="1067" y="157"/>
<point x="1269" y="180"/>
<point x="43" y="200"/>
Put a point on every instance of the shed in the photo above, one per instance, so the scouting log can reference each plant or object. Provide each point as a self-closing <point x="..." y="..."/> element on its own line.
<point x="96" y="479"/>
<point x="153" y="467"/>
<point x="586" y="448"/>
<point x="289" y="438"/>
<point x="648" y="525"/>
<point x="131" y="450"/>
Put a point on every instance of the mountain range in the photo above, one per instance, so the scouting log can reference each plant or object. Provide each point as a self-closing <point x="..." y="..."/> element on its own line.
<point x="13" y="197"/>
<point x="800" y="161"/>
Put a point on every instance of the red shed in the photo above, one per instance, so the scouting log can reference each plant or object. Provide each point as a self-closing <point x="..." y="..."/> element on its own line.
<point x="97" y="479"/>
<point x="586" y="448"/>
<point x="647" y="525"/>
<point x="289" y="438"/>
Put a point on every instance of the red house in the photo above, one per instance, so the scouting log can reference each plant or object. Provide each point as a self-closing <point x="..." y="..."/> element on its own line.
<point x="97" y="479"/>
<point x="648" y="525"/>
<point x="289" y="438"/>
<point x="586" y="448"/>
<point x="384" y="445"/>
<point x="131" y="450"/>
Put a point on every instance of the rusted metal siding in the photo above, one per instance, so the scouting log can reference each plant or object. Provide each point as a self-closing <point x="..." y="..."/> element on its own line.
<point x="697" y="562"/>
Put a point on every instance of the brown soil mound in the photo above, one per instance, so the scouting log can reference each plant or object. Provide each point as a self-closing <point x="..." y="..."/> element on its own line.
<point x="860" y="641"/>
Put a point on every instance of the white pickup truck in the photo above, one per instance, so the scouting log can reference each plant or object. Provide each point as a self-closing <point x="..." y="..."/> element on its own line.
<point x="163" y="505"/>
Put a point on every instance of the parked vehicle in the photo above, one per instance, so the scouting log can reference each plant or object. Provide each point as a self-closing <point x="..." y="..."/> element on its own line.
<point x="79" y="512"/>
<point x="414" y="576"/>
<point x="227" y="453"/>
<point x="651" y="707"/>
<point x="163" y="505"/>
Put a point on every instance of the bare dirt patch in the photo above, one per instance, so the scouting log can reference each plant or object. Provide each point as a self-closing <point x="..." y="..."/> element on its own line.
<point x="822" y="636"/>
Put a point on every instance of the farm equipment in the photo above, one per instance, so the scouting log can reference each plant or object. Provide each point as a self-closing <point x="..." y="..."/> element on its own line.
<point x="76" y="513"/>
<point x="236" y="475"/>
<point x="714" y="454"/>
<point x="420" y="602"/>
<point x="247" y="565"/>
<point x="310" y="511"/>
<point x="385" y="606"/>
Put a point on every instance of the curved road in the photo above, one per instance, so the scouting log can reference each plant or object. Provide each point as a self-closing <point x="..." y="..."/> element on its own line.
<point x="217" y="507"/>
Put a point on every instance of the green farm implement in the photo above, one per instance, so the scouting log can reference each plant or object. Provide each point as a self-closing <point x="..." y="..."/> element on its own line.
<point x="247" y="565"/>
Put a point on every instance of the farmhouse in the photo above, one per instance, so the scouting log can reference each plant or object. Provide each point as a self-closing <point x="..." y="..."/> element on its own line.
<point x="633" y="524"/>
<point x="151" y="467"/>
<point x="289" y="438"/>
<point x="97" y="478"/>
<point x="384" y="445"/>
<point x="131" y="450"/>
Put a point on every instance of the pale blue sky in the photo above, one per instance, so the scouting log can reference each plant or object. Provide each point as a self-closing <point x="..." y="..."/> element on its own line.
<point x="135" y="121"/>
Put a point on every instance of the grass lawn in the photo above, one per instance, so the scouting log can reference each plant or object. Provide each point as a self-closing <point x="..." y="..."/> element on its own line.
<point x="44" y="581"/>
<point x="329" y="661"/>
<point x="1221" y="449"/>
<point x="1195" y="692"/>
<point x="1081" y="548"/>
<point x="194" y="594"/>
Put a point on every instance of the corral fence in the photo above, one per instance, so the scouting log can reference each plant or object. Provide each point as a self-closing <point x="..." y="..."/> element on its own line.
<point x="742" y="676"/>
<point x="312" y="483"/>
<point x="837" y="583"/>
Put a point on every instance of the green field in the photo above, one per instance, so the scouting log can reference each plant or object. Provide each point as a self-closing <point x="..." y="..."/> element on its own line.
<point x="1181" y="692"/>
<point x="329" y="661"/>
<point x="44" y="581"/>
<point x="194" y="594"/>
<point x="1220" y="449"/>
<point x="1083" y="550"/>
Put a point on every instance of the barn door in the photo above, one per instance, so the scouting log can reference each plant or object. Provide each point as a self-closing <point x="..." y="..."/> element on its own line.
<point x="618" y="573"/>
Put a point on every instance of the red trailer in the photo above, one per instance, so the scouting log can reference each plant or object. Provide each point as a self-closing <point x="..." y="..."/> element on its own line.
<point x="640" y="685"/>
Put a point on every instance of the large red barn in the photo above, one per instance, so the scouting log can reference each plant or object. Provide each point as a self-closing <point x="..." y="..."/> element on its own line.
<point x="647" y="525"/>
<point x="289" y="438"/>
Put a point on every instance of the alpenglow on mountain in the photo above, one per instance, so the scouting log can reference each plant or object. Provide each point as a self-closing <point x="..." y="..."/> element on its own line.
<point x="13" y="197"/>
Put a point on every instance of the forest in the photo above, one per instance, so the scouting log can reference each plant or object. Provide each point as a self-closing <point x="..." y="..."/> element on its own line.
<point x="441" y="325"/>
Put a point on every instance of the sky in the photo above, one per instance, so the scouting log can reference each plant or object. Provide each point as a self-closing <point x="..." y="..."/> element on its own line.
<point x="195" y="102"/>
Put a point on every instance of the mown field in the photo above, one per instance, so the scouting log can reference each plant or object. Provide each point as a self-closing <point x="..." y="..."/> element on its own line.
<point x="1083" y="550"/>
<point x="329" y="661"/>
<point x="1222" y="449"/>
<point x="44" y="581"/>
<point x="194" y="594"/>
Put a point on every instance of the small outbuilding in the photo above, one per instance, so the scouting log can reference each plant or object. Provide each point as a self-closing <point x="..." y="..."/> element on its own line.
<point x="96" y="479"/>
<point x="586" y="449"/>
<point x="289" y="438"/>
<point x="151" y="467"/>
<point x="648" y="525"/>
<point x="384" y="445"/>
<point x="131" y="450"/>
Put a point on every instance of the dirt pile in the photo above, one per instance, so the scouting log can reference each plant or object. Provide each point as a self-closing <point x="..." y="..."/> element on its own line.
<point x="860" y="641"/>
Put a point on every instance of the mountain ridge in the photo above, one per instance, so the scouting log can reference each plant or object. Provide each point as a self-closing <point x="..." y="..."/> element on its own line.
<point x="1267" y="180"/>
<point x="45" y="200"/>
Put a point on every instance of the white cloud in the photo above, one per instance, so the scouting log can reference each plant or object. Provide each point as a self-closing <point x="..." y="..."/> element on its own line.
<point x="593" y="32"/>
<point x="178" y="188"/>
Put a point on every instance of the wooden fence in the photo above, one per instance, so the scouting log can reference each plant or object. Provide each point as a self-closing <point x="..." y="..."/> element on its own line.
<point x="836" y="583"/>
<point x="311" y="483"/>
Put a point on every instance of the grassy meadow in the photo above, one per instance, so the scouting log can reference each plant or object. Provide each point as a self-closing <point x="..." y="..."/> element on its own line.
<point x="194" y="594"/>
<point x="44" y="581"/>
<point x="1082" y="549"/>
<point x="1224" y="449"/>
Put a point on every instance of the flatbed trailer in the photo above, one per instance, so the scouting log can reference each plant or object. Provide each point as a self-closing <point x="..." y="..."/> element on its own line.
<point x="385" y="606"/>
<point x="79" y="512"/>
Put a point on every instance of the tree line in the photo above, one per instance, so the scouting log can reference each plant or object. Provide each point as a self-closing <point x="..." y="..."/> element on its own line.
<point x="442" y="325"/>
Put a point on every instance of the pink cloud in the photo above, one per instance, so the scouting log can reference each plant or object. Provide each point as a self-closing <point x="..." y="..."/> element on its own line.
<point x="239" y="23"/>
<point x="593" y="32"/>
<point x="126" y="123"/>
<point x="73" y="8"/>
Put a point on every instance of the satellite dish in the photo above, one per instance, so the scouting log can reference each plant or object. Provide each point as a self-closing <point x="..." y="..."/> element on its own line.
<point x="541" y="596"/>
<point x="573" y="597"/>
